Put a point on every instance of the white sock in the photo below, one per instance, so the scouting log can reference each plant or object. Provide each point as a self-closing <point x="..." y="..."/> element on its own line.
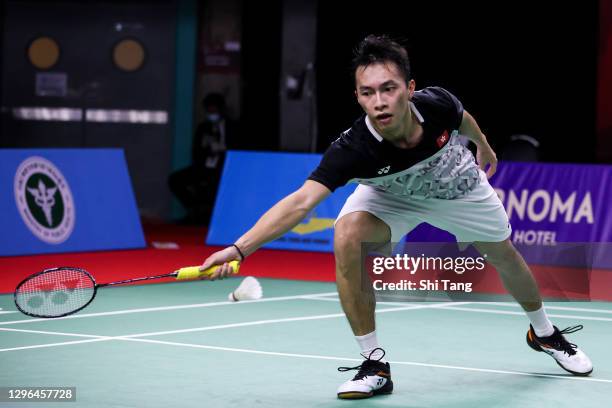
<point x="541" y="325"/>
<point x="368" y="343"/>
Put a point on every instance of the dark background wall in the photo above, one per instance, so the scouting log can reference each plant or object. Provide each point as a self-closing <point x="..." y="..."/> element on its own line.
<point x="520" y="67"/>
<point x="604" y="83"/>
<point x="86" y="33"/>
<point x="525" y="67"/>
<point x="261" y="62"/>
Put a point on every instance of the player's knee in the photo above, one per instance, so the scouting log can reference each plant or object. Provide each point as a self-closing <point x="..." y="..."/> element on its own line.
<point x="347" y="251"/>
<point x="345" y="237"/>
<point x="501" y="254"/>
<point x="361" y="226"/>
<point x="350" y="234"/>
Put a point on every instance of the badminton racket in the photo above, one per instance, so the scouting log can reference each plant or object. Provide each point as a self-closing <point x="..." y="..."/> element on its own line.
<point x="65" y="290"/>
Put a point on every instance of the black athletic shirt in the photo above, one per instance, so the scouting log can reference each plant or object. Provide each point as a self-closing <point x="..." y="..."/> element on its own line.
<point x="361" y="155"/>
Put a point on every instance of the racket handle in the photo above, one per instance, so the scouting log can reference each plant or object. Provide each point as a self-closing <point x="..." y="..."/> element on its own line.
<point x="193" y="272"/>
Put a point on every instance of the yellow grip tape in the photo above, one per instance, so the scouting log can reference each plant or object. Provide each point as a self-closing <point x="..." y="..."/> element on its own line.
<point x="193" y="272"/>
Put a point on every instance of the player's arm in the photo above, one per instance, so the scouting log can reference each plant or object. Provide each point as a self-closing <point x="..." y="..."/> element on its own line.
<point x="283" y="216"/>
<point x="278" y="220"/>
<point x="484" y="153"/>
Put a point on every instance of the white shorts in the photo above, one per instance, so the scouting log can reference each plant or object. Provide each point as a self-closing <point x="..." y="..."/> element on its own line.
<point x="478" y="216"/>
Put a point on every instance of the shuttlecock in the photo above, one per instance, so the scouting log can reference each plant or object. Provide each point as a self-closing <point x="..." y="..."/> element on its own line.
<point x="249" y="289"/>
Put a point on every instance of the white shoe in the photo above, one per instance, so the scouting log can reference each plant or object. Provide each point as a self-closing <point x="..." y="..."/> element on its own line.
<point x="373" y="378"/>
<point x="566" y="354"/>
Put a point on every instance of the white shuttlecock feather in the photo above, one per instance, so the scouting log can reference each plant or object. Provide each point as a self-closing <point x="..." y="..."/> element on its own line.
<point x="249" y="289"/>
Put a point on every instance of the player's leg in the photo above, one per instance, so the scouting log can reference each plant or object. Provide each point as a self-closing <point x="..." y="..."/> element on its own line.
<point x="371" y="216"/>
<point x="358" y="301"/>
<point x="357" y="298"/>
<point x="520" y="283"/>
<point x="514" y="273"/>
<point x="479" y="217"/>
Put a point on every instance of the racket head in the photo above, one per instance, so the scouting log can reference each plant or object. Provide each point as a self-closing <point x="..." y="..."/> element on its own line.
<point x="55" y="292"/>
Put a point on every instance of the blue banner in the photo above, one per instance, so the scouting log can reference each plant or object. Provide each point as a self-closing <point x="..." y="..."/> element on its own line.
<point x="65" y="200"/>
<point x="252" y="182"/>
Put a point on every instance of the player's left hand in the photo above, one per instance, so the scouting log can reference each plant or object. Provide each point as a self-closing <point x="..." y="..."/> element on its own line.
<point x="485" y="156"/>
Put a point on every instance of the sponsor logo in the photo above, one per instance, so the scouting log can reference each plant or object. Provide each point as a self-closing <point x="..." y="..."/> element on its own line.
<point x="542" y="205"/>
<point x="384" y="170"/>
<point x="314" y="224"/>
<point x="44" y="200"/>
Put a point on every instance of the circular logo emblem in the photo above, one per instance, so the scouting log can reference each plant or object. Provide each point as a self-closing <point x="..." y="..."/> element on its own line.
<point x="44" y="200"/>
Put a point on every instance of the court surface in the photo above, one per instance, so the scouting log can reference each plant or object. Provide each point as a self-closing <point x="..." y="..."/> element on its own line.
<point x="184" y="345"/>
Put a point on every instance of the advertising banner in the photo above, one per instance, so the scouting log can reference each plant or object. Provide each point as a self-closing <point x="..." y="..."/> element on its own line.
<point x="252" y="182"/>
<point x="65" y="200"/>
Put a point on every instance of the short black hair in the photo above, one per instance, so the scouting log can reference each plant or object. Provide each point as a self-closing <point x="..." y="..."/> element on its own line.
<point x="381" y="49"/>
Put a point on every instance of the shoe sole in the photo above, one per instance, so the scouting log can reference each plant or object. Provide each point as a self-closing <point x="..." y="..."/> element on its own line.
<point x="386" y="389"/>
<point x="536" y="347"/>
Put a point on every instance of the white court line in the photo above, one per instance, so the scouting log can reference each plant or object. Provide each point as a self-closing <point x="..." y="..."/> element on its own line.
<point x="332" y="299"/>
<point x="411" y="363"/>
<point x="322" y="296"/>
<point x="315" y="296"/>
<point x="92" y="338"/>
<point x="448" y="305"/>
<point x="197" y="329"/>
<point x="137" y="338"/>
<point x="285" y="320"/>
<point x="6" y="329"/>
<point x="37" y="346"/>
<point x="453" y="306"/>
<point x="573" y="309"/>
<point x="505" y="304"/>
<point x="163" y="308"/>
<point x="253" y="323"/>
<point x="336" y="299"/>
<point x="310" y="356"/>
<point x="563" y="316"/>
<point x="7" y="311"/>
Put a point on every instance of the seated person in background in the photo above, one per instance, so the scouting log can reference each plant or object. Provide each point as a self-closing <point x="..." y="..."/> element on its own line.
<point x="195" y="186"/>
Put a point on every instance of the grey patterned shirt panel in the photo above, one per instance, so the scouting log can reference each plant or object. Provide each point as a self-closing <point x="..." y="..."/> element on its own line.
<point x="448" y="174"/>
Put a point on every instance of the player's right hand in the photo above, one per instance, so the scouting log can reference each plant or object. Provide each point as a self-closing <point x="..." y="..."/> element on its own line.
<point x="485" y="156"/>
<point x="221" y="258"/>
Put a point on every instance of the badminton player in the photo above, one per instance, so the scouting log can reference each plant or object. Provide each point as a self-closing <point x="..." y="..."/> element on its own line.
<point x="406" y="155"/>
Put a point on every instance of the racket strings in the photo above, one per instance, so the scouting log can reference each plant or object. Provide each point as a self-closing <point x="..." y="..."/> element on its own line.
<point x="55" y="292"/>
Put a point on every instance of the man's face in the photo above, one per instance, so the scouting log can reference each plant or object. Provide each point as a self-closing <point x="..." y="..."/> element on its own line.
<point x="382" y="93"/>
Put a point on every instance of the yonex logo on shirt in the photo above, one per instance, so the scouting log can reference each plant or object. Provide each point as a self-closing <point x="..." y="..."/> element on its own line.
<point x="384" y="170"/>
